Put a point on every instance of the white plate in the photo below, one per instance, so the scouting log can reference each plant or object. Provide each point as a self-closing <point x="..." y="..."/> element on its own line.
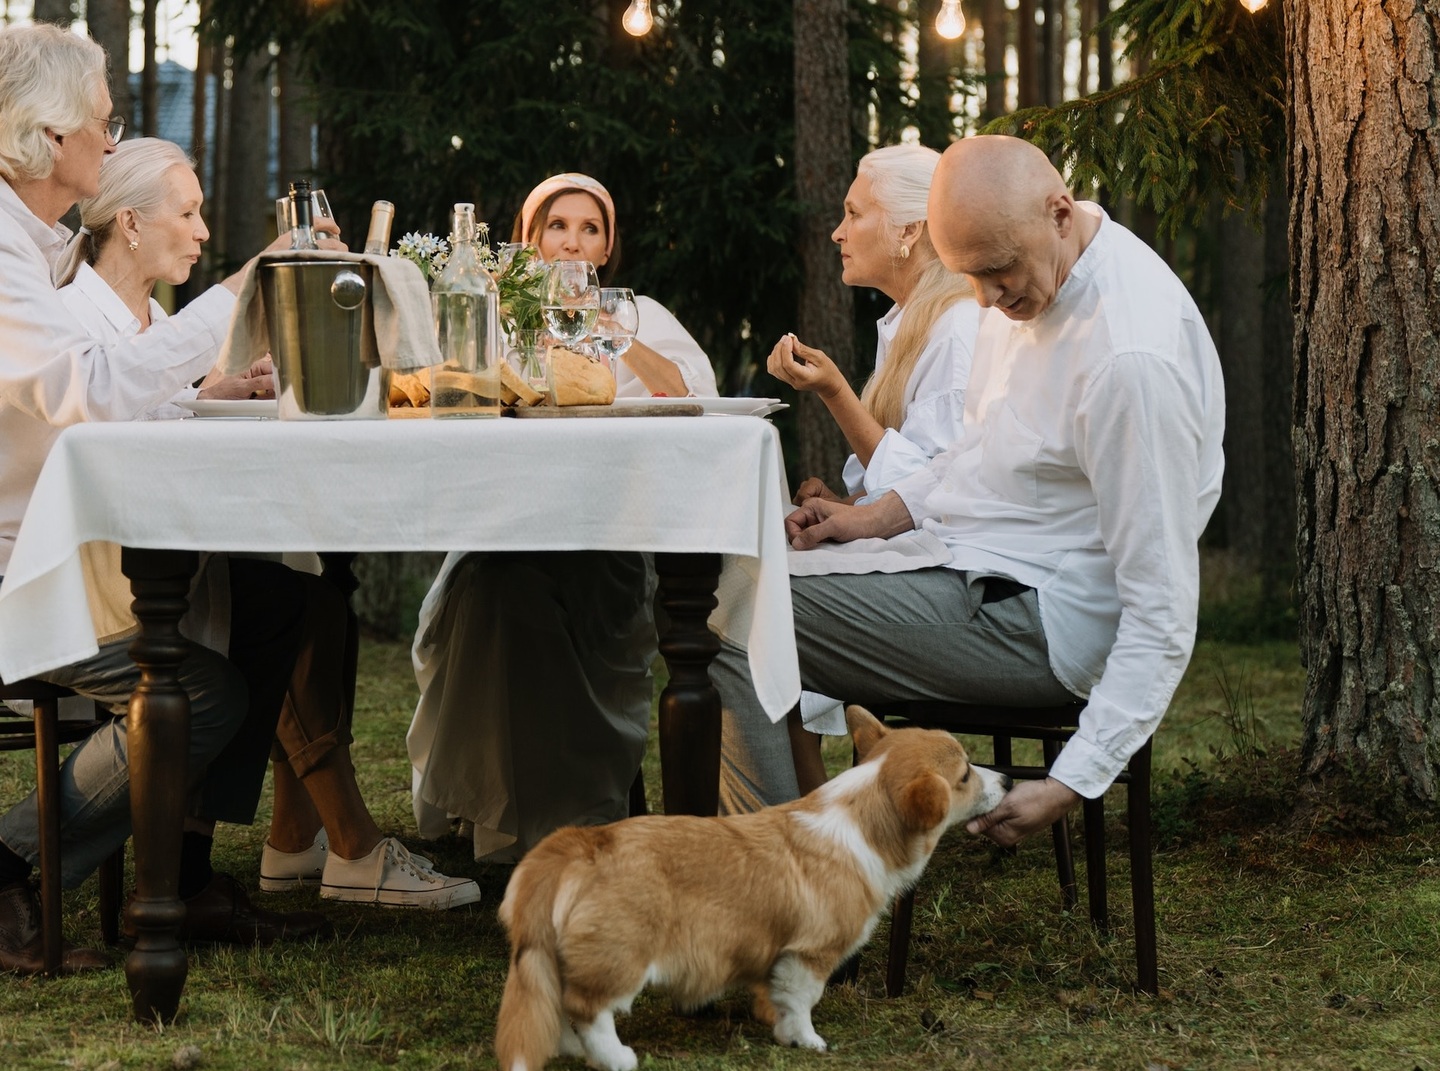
<point x="246" y="408"/>
<point x="727" y="406"/>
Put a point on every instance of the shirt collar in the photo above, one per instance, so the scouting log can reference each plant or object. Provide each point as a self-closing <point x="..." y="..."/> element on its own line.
<point x="49" y="240"/>
<point x="87" y="280"/>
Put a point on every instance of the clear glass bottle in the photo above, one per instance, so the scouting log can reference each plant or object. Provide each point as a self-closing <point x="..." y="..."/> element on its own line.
<point x="302" y="227"/>
<point x="466" y="304"/>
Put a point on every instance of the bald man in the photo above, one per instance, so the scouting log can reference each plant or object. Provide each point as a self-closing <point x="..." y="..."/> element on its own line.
<point x="1071" y="507"/>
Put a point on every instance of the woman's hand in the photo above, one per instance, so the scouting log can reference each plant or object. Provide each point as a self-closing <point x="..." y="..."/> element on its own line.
<point x="257" y="381"/>
<point x="815" y="487"/>
<point x="792" y="362"/>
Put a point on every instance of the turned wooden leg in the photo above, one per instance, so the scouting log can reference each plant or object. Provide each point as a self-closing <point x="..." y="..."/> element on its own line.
<point x="689" y="705"/>
<point x="159" y="740"/>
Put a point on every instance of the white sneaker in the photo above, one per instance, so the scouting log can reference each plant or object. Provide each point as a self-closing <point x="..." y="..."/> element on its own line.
<point x="285" y="871"/>
<point x="390" y="875"/>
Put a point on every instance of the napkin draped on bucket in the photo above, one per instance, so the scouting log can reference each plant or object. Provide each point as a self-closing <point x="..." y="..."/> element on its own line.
<point x="400" y="302"/>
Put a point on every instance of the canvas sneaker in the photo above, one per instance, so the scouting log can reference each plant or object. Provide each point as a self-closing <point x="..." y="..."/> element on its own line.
<point x="286" y="871"/>
<point x="391" y="876"/>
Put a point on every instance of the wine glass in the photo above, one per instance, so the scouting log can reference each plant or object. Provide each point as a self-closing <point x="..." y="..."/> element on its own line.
<point x="572" y="300"/>
<point x="617" y="323"/>
<point x="319" y="209"/>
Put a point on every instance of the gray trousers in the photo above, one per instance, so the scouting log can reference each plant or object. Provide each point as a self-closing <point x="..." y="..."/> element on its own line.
<point x="882" y="637"/>
<point x="95" y="777"/>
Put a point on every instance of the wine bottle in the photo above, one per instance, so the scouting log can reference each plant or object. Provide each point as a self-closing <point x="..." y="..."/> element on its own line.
<point x="377" y="239"/>
<point x="302" y="230"/>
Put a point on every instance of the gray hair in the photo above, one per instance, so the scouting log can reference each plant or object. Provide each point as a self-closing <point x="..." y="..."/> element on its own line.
<point x="133" y="177"/>
<point x="900" y="181"/>
<point x="49" y="79"/>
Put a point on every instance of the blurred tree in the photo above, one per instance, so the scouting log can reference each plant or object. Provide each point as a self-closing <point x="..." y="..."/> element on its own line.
<point x="109" y="24"/>
<point x="60" y="12"/>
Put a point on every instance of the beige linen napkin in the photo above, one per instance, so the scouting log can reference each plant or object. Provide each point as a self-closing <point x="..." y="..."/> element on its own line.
<point x="404" y="327"/>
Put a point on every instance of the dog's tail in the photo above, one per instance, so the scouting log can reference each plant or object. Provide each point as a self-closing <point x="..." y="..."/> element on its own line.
<point x="528" y="1032"/>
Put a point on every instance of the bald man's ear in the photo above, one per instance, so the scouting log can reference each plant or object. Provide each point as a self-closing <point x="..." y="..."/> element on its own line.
<point x="1060" y="207"/>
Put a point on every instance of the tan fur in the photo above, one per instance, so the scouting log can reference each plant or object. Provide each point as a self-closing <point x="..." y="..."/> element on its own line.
<point x="773" y="900"/>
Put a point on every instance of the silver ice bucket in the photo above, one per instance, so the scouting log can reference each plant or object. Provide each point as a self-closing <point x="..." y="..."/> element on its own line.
<point x="322" y="338"/>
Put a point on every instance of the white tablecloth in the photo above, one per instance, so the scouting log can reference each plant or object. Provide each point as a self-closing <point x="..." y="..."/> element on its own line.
<point x="697" y="484"/>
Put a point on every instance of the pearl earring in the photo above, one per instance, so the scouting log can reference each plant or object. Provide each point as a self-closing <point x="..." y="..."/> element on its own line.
<point x="904" y="251"/>
<point x="134" y="245"/>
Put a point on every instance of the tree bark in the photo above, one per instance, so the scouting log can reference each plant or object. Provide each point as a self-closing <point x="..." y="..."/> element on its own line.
<point x="248" y="211"/>
<point x="824" y="166"/>
<point x="1027" y="59"/>
<point x="149" y="74"/>
<point x="1238" y="337"/>
<point x="297" y="122"/>
<point x="995" y="21"/>
<point x="109" y="24"/>
<point x="60" y="12"/>
<point x="935" y="59"/>
<point x="1365" y="281"/>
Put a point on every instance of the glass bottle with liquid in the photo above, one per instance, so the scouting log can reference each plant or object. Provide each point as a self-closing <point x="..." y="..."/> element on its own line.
<point x="466" y="305"/>
<point x="302" y="225"/>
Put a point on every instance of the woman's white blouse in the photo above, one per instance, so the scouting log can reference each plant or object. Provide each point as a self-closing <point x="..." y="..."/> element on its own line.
<point x="934" y="399"/>
<point x="666" y="336"/>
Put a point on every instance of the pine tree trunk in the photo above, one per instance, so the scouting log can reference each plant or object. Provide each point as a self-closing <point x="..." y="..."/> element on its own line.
<point x="995" y="21"/>
<point x="149" y="74"/>
<point x="1238" y="338"/>
<point x="824" y="167"/>
<point x="109" y="23"/>
<point x="60" y="12"/>
<point x="935" y="59"/>
<point x="1027" y="55"/>
<point x="248" y="210"/>
<point x="1365" y="283"/>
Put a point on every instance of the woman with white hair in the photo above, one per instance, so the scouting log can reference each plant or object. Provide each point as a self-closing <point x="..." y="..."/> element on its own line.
<point x="913" y="406"/>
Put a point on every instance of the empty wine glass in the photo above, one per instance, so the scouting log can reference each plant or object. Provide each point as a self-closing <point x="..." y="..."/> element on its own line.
<point x="319" y="209"/>
<point x="617" y="323"/>
<point x="572" y="300"/>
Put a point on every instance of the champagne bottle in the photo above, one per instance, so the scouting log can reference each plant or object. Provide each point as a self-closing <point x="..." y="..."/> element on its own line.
<point x="377" y="239"/>
<point x="302" y="229"/>
<point x="466" y="305"/>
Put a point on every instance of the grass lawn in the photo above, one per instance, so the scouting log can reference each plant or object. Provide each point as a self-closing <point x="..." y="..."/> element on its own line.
<point x="1277" y="949"/>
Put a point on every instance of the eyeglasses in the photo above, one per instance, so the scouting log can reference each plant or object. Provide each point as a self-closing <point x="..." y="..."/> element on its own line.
<point x="114" y="127"/>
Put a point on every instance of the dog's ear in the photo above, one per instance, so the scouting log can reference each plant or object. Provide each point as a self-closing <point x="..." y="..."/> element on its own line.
<point x="924" y="802"/>
<point x="865" y="729"/>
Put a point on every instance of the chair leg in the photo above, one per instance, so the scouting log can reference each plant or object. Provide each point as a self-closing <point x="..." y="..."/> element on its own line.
<point x="47" y="794"/>
<point x="900" y="917"/>
<point x="1060" y="835"/>
<point x="112" y="885"/>
<point x="1000" y="749"/>
<point x="1096" y="885"/>
<point x="1142" y="872"/>
<point x="638" y="806"/>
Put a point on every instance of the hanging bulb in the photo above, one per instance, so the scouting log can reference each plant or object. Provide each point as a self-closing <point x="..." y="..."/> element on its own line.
<point x="1253" y="6"/>
<point x="637" y="20"/>
<point x="950" y="23"/>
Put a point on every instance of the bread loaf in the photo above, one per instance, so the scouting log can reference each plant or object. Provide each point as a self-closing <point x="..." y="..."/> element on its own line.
<point x="408" y="390"/>
<point x="580" y="380"/>
<point x="514" y="390"/>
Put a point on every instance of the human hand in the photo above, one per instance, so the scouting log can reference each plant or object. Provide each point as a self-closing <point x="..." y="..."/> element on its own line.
<point x="1027" y="808"/>
<point x="257" y="381"/>
<point x="804" y="368"/>
<point x="814" y="487"/>
<point x="820" y="519"/>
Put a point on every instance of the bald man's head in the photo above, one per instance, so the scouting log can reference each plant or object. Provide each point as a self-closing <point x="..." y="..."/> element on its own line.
<point x="1000" y="213"/>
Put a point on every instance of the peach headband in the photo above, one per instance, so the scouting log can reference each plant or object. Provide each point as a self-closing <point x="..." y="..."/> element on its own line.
<point x="570" y="181"/>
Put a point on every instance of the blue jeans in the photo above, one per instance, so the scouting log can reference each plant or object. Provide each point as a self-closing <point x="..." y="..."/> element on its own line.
<point x="95" y="777"/>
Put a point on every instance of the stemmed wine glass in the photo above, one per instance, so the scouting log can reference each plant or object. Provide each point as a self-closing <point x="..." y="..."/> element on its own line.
<point x="572" y="300"/>
<point x="618" y="321"/>
<point x="319" y="209"/>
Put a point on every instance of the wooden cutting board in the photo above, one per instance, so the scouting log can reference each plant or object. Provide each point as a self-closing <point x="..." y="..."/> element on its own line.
<point x="552" y="411"/>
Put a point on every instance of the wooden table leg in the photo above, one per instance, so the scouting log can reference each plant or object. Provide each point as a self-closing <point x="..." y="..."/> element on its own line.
<point x="159" y="739"/>
<point x="689" y="705"/>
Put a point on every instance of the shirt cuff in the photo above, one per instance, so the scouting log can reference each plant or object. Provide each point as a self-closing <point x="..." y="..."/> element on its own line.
<point x="1085" y="768"/>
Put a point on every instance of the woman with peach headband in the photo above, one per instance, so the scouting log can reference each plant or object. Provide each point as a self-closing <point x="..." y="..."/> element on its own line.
<point x="572" y="217"/>
<point x="534" y="669"/>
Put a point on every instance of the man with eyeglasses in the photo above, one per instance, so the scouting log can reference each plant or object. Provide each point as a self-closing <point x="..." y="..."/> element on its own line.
<point x="53" y="137"/>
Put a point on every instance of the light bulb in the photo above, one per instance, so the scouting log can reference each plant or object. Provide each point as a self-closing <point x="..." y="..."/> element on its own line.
<point x="637" y="20"/>
<point x="950" y="23"/>
<point x="1253" y="5"/>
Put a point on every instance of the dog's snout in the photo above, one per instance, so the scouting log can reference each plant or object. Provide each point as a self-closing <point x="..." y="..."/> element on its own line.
<point x="1006" y="781"/>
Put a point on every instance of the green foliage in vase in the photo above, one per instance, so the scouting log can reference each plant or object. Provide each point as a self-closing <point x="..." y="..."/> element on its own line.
<point x="1203" y="116"/>
<point x="428" y="102"/>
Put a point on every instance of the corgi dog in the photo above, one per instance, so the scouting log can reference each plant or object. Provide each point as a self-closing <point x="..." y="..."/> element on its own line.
<point x="774" y="900"/>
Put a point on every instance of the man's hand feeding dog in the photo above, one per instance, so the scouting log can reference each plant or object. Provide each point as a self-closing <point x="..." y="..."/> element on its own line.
<point x="774" y="900"/>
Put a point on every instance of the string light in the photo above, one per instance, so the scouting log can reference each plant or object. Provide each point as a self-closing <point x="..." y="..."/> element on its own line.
<point x="637" y="20"/>
<point x="1253" y="6"/>
<point x="950" y="23"/>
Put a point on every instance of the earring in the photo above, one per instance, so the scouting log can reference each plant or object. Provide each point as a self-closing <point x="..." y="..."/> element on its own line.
<point x="134" y="245"/>
<point x="904" y="251"/>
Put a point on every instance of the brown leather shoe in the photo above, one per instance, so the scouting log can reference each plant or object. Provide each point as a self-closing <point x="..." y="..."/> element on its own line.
<point x="21" y="944"/>
<point x="222" y="913"/>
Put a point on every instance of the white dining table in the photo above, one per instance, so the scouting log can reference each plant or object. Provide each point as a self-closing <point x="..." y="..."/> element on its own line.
<point x="706" y="494"/>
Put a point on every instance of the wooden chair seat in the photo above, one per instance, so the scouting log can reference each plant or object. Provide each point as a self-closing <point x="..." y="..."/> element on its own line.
<point x="1052" y="726"/>
<point x="45" y="732"/>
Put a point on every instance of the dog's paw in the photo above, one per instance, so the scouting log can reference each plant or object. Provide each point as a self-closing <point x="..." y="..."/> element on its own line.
<point x="799" y="1036"/>
<point x="622" y="1058"/>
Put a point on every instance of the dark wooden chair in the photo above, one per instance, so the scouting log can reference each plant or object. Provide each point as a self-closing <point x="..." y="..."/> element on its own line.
<point x="44" y="732"/>
<point x="1052" y="726"/>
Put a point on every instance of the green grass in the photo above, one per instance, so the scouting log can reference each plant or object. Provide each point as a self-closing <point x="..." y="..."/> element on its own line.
<point x="1277" y="949"/>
